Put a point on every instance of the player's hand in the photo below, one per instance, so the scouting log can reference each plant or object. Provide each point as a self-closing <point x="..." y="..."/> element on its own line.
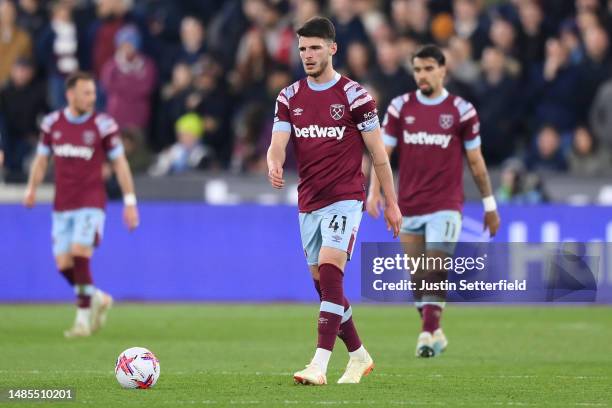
<point x="275" y="175"/>
<point x="374" y="204"/>
<point x="131" y="217"/>
<point x="393" y="218"/>
<point x="491" y="222"/>
<point x="29" y="199"/>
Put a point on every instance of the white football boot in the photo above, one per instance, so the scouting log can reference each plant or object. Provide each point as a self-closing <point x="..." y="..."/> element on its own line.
<point x="439" y="341"/>
<point x="78" y="330"/>
<point x="311" y="375"/>
<point x="101" y="302"/>
<point x="357" y="368"/>
<point x="424" y="347"/>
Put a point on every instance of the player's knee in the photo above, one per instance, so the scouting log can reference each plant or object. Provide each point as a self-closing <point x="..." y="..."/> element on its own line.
<point x="314" y="271"/>
<point x="332" y="256"/>
<point x="64" y="262"/>
<point x="81" y="250"/>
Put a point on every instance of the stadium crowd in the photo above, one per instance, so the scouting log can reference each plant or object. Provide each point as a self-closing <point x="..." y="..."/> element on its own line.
<point x="192" y="83"/>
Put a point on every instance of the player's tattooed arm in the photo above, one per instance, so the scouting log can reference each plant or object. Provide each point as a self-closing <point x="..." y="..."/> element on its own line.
<point x="382" y="168"/>
<point x="481" y="178"/>
<point x="276" y="158"/>
<point x="37" y="175"/>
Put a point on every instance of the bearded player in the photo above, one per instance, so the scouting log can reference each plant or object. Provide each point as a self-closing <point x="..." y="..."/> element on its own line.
<point x="433" y="130"/>
<point x="80" y="140"/>
<point x="330" y="120"/>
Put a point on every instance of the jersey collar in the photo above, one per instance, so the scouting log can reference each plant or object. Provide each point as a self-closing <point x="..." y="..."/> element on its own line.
<point x="429" y="101"/>
<point x="326" y="85"/>
<point x="76" y="119"/>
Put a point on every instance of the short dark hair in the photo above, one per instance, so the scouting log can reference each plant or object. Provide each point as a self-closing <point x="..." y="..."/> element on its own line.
<point x="77" y="76"/>
<point x="430" y="51"/>
<point x="318" y="27"/>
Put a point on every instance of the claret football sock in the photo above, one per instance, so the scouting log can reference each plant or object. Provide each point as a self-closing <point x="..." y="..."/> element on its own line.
<point x="431" y="317"/>
<point x="348" y="331"/>
<point x="68" y="274"/>
<point x="83" y="281"/>
<point x="332" y="305"/>
<point x="317" y="286"/>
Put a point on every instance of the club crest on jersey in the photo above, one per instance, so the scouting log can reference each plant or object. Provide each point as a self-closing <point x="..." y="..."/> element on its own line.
<point x="336" y="110"/>
<point x="89" y="136"/>
<point x="446" y="121"/>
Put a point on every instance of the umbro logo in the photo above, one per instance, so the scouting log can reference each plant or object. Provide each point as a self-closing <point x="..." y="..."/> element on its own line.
<point x="57" y="134"/>
<point x="410" y="120"/>
<point x="298" y="111"/>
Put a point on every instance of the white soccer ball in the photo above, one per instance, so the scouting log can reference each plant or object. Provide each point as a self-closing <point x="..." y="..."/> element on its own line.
<point x="137" y="367"/>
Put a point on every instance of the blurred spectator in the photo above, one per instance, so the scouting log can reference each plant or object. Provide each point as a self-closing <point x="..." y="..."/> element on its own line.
<point x="187" y="153"/>
<point x="136" y="151"/>
<point x="192" y="40"/>
<point x="534" y="31"/>
<point x="595" y="68"/>
<point x="600" y="116"/>
<point x="497" y="97"/>
<point x="22" y="102"/>
<point x="304" y="10"/>
<point x="112" y="16"/>
<point x="253" y="128"/>
<point x="411" y="18"/>
<point x="349" y="28"/>
<point x="465" y="68"/>
<point x="172" y="105"/>
<point x="546" y="152"/>
<point x="358" y="58"/>
<point x="517" y="186"/>
<point x="585" y="157"/>
<point x="452" y="81"/>
<point x="471" y="24"/>
<point x="252" y="63"/>
<point x="128" y="80"/>
<point x="57" y="51"/>
<point x="388" y="76"/>
<point x="502" y="35"/>
<point x="210" y="98"/>
<point x="570" y="39"/>
<point x="32" y="16"/>
<point x="15" y="43"/>
<point x="553" y="87"/>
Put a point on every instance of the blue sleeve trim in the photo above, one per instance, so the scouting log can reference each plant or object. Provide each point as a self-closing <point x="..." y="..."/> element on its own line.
<point x="116" y="152"/>
<point x="389" y="140"/>
<point x="282" y="127"/>
<point x="43" y="150"/>
<point x="473" y="143"/>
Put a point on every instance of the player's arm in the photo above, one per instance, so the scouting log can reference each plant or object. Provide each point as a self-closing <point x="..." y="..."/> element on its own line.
<point x="37" y="175"/>
<point x="375" y="199"/>
<point x="480" y="174"/>
<point x="276" y="157"/>
<point x="126" y="183"/>
<point x="384" y="175"/>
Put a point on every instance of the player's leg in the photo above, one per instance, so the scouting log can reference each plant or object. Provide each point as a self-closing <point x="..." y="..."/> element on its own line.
<point x="88" y="223"/>
<point x="61" y="234"/>
<point x="412" y="237"/>
<point x="311" y="243"/>
<point x="339" y="229"/>
<point x="442" y="233"/>
<point x="348" y="331"/>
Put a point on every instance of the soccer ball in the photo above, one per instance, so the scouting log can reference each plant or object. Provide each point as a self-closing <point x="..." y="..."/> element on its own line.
<point x="137" y="367"/>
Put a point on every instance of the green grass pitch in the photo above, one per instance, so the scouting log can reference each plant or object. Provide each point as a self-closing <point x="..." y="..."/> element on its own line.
<point x="244" y="355"/>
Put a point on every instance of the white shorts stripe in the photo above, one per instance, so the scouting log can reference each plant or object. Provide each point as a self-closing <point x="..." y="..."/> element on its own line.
<point x="332" y="308"/>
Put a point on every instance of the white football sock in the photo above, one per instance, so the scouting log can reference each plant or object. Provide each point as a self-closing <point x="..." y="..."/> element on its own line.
<point x="83" y="316"/>
<point x="322" y="357"/>
<point x="360" y="353"/>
